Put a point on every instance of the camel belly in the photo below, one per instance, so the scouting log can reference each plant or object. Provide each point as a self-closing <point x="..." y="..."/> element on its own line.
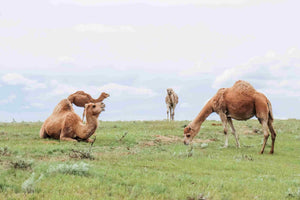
<point x="241" y="111"/>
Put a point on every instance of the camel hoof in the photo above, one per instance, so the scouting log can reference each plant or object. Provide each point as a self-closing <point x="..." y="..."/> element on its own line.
<point x="271" y="152"/>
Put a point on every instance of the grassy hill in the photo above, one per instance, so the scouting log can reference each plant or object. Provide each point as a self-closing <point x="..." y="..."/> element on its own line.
<point x="147" y="160"/>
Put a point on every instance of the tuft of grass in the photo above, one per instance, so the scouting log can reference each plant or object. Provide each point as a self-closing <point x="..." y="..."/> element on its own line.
<point x="244" y="157"/>
<point x="20" y="163"/>
<point x="81" y="154"/>
<point x="4" y="151"/>
<point x="81" y="169"/>
<point x="3" y="187"/>
<point x="294" y="194"/>
<point x="29" y="185"/>
<point x="199" y="197"/>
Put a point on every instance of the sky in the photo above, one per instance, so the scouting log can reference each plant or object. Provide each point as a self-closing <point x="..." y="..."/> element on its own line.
<point x="135" y="50"/>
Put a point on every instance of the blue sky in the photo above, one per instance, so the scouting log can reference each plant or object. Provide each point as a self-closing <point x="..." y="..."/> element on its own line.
<point x="134" y="50"/>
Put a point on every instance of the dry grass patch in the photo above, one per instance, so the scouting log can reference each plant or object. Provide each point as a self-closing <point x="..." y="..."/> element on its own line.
<point x="158" y="139"/>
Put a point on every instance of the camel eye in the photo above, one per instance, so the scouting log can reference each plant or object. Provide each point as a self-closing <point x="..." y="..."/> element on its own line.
<point x="94" y="106"/>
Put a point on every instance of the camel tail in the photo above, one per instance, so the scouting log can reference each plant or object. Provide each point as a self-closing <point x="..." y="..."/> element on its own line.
<point x="270" y="111"/>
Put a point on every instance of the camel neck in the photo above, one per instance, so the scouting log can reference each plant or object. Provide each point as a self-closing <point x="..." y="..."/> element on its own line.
<point x="204" y="113"/>
<point x="100" y="98"/>
<point x="91" y="124"/>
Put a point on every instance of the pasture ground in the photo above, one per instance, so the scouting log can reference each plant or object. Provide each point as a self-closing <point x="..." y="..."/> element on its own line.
<point x="150" y="162"/>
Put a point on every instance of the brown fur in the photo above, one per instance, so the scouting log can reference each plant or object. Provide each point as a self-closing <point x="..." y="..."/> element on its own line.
<point x="171" y="101"/>
<point x="240" y="102"/>
<point x="65" y="124"/>
<point x="80" y="98"/>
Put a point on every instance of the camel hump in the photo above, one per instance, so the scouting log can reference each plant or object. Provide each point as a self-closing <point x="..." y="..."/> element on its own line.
<point x="63" y="106"/>
<point x="243" y="87"/>
<point x="79" y="92"/>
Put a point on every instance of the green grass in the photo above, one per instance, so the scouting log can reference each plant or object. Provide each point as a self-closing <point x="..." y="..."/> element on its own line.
<point x="141" y="166"/>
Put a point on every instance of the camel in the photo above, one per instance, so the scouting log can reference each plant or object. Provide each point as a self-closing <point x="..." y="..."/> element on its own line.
<point x="240" y="102"/>
<point x="171" y="101"/>
<point x="65" y="124"/>
<point x="80" y="98"/>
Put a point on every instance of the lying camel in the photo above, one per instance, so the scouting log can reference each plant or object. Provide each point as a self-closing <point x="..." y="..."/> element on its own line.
<point x="240" y="102"/>
<point x="80" y="98"/>
<point x="65" y="124"/>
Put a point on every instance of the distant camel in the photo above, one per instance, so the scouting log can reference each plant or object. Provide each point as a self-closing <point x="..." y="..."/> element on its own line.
<point x="80" y="98"/>
<point x="171" y="101"/>
<point x="65" y="124"/>
<point x="240" y="102"/>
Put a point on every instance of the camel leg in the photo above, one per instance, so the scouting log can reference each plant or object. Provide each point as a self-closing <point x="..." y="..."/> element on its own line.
<point x="89" y="140"/>
<point x="168" y="108"/>
<point x="233" y="132"/>
<point x="224" y="122"/>
<point x="273" y="135"/>
<point x="262" y="114"/>
<point x="266" y="135"/>
<point x="66" y="134"/>
<point x="43" y="133"/>
<point x="173" y="113"/>
<point x="83" y="114"/>
<point x="67" y="139"/>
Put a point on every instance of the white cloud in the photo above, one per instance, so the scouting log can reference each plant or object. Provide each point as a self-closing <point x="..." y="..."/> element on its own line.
<point x="274" y="73"/>
<point x="63" y="90"/>
<point x="119" y="90"/>
<point x="9" y="99"/>
<point x="100" y="28"/>
<point x="18" y="79"/>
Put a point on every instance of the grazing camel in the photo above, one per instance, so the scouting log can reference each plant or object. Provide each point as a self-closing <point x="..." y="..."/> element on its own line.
<point x="171" y="101"/>
<point x="65" y="124"/>
<point x="80" y="98"/>
<point x="240" y="102"/>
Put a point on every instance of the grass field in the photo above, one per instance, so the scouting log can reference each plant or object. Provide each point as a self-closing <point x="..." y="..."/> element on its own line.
<point x="147" y="160"/>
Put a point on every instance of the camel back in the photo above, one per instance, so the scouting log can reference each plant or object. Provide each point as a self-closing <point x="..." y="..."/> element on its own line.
<point x="63" y="106"/>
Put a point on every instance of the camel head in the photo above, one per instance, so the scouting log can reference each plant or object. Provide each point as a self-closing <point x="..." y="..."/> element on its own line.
<point x="94" y="109"/>
<point x="105" y="95"/>
<point x="189" y="133"/>
<point x="170" y="91"/>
